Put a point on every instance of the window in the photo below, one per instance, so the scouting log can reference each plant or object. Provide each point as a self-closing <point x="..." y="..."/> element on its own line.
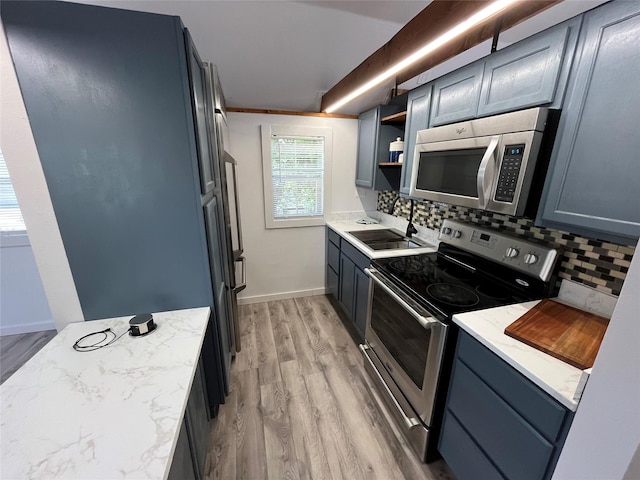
<point x="296" y="167"/>
<point x="10" y="215"/>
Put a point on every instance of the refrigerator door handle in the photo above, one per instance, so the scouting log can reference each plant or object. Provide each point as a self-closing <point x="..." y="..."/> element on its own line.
<point x="243" y="285"/>
<point x="236" y="194"/>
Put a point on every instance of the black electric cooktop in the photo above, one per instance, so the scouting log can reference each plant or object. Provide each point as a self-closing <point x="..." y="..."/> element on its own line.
<point x="436" y="280"/>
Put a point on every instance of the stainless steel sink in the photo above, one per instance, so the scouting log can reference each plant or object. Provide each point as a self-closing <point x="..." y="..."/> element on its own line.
<point x="385" y="239"/>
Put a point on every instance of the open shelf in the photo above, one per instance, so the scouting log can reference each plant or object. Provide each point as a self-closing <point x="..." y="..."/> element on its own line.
<point x="389" y="164"/>
<point x="396" y="118"/>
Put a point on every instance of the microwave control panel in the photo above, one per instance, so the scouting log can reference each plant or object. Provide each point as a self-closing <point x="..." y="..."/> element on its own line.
<point x="509" y="172"/>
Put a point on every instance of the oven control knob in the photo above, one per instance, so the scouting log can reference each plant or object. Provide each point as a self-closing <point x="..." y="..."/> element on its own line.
<point x="457" y="234"/>
<point x="446" y="231"/>
<point x="512" y="252"/>
<point x="530" y="258"/>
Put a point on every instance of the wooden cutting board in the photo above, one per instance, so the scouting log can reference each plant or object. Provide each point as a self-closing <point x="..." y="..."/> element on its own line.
<point x="563" y="332"/>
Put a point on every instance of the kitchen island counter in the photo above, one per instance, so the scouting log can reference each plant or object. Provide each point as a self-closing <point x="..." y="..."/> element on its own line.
<point x="115" y="412"/>
<point x="560" y="380"/>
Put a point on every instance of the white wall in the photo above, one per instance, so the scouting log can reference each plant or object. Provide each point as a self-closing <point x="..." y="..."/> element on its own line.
<point x="23" y="304"/>
<point x="605" y="433"/>
<point x="23" y="162"/>
<point x="289" y="262"/>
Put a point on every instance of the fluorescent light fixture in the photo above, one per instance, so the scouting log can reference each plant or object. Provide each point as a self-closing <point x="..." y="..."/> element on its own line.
<point x="454" y="32"/>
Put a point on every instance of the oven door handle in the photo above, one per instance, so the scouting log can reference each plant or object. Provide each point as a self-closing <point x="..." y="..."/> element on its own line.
<point x="426" y="322"/>
<point x="410" y="422"/>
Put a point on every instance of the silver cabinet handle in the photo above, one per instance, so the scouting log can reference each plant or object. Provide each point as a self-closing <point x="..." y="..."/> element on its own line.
<point x="410" y="422"/>
<point x="426" y="322"/>
<point x="243" y="285"/>
<point x="486" y="172"/>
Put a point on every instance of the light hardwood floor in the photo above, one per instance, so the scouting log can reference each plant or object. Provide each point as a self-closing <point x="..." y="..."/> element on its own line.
<point x="15" y="350"/>
<point x="301" y="406"/>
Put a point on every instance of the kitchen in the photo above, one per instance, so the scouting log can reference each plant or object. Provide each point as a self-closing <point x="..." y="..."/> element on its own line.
<point x="276" y="247"/>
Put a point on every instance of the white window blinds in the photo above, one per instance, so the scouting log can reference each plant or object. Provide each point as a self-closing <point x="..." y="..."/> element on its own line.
<point x="297" y="175"/>
<point x="10" y="215"/>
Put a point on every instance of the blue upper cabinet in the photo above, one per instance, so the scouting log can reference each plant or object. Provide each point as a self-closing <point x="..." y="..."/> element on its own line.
<point x="200" y="115"/>
<point x="455" y="96"/>
<point x="367" y="138"/>
<point x="528" y="73"/>
<point x="592" y="184"/>
<point x="418" y="106"/>
<point x="374" y="138"/>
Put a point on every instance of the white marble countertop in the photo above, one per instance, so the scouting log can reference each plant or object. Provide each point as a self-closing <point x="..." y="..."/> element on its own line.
<point x="110" y="413"/>
<point x="559" y="379"/>
<point x="425" y="236"/>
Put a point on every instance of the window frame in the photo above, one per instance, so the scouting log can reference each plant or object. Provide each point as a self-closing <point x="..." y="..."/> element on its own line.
<point x="267" y="132"/>
<point x="12" y="232"/>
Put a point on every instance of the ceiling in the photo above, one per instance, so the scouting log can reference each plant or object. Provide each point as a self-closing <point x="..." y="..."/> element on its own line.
<point x="274" y="54"/>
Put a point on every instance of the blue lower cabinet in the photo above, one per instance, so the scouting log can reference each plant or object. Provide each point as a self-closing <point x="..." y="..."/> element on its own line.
<point x="182" y="463"/>
<point x="488" y="431"/>
<point x="463" y="454"/>
<point x="189" y="457"/>
<point x="361" y="301"/>
<point x="348" y="283"/>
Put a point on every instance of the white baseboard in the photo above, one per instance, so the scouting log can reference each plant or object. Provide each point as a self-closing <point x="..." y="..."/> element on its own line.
<point x="26" y="328"/>
<point x="281" y="296"/>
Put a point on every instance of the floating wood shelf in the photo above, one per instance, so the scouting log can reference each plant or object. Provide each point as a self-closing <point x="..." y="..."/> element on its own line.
<point x="396" y="118"/>
<point x="389" y="164"/>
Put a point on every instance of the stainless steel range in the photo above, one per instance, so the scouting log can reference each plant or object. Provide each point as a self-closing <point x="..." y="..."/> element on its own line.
<point x="410" y="336"/>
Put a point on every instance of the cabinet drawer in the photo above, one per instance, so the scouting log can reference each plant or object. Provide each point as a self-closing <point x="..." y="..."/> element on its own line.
<point x="539" y="409"/>
<point x="333" y="257"/>
<point x="333" y="237"/>
<point x="359" y="258"/>
<point x="462" y="454"/>
<point x="512" y="444"/>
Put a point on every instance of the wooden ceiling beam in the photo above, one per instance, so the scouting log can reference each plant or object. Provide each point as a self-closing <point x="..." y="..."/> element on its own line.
<point x="438" y="17"/>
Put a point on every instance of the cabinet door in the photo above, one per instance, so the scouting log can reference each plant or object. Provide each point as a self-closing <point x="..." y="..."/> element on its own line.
<point x="455" y="96"/>
<point x="361" y="301"/>
<point x="524" y="74"/>
<point x="347" y="284"/>
<point x="197" y="415"/>
<point x="182" y="464"/>
<point x="367" y="142"/>
<point x="333" y="267"/>
<point x="333" y="282"/>
<point x="592" y="185"/>
<point x="200" y="115"/>
<point x="221" y="311"/>
<point x="418" y="104"/>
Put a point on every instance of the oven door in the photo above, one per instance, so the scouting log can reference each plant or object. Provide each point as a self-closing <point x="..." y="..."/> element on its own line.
<point x="409" y="343"/>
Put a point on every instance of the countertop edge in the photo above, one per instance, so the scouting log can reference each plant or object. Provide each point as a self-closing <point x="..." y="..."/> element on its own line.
<point x="343" y="227"/>
<point x="506" y="348"/>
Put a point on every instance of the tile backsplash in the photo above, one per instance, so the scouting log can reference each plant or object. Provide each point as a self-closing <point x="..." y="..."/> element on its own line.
<point x="597" y="264"/>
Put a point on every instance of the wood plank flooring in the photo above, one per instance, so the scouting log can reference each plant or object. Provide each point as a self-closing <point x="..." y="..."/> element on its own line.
<point x="301" y="406"/>
<point x="15" y="350"/>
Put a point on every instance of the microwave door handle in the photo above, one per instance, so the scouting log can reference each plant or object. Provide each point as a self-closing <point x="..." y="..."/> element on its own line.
<point x="486" y="172"/>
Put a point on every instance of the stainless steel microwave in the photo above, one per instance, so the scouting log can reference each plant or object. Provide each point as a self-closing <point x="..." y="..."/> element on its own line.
<point x="487" y="163"/>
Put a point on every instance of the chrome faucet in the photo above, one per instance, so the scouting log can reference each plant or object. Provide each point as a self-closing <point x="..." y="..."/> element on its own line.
<point x="411" y="229"/>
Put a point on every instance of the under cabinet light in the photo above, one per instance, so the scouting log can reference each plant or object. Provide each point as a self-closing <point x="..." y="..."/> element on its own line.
<point x="449" y="35"/>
